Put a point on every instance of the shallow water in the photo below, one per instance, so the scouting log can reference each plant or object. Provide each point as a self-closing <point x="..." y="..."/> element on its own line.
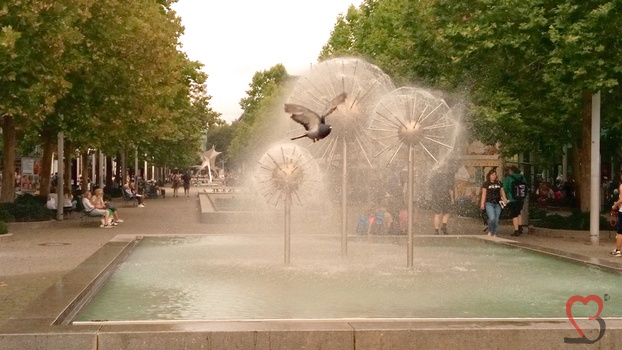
<point x="243" y="277"/>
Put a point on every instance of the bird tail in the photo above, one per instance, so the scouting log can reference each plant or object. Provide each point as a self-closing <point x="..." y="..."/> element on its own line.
<point x="298" y="137"/>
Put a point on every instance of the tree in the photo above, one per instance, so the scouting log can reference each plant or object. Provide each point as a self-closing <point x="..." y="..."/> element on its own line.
<point x="257" y="109"/>
<point x="134" y="87"/>
<point x="534" y="66"/>
<point x="527" y="67"/>
<point x="262" y="85"/>
<point x="36" y="53"/>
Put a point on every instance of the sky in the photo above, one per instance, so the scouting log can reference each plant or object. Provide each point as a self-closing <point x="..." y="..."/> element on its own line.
<point x="234" y="39"/>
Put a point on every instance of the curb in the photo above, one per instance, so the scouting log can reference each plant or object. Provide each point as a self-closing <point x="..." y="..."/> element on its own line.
<point x="31" y="224"/>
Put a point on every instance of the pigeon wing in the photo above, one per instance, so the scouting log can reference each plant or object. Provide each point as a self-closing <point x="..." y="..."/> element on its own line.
<point x="309" y="119"/>
<point x="333" y="104"/>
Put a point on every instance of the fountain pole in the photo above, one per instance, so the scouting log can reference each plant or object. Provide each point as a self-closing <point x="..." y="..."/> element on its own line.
<point x="409" y="197"/>
<point x="288" y="226"/>
<point x="344" y="198"/>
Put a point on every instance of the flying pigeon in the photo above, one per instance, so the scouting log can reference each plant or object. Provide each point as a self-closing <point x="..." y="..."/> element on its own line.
<point x="315" y="125"/>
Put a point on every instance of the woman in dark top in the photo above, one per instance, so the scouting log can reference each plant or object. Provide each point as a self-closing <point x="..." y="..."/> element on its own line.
<point x="492" y="195"/>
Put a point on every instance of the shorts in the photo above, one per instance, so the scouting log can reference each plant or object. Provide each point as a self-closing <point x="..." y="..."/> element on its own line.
<point x="515" y="207"/>
<point x="98" y="212"/>
<point x="441" y="205"/>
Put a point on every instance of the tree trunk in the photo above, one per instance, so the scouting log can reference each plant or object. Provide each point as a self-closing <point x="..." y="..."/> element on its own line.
<point x="67" y="163"/>
<point x="117" y="172"/>
<point x="9" y="134"/>
<point x="583" y="154"/>
<point x="84" y="155"/>
<point x="109" y="172"/>
<point x="46" y="161"/>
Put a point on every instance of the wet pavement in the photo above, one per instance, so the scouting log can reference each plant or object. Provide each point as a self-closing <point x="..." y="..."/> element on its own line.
<point x="39" y="254"/>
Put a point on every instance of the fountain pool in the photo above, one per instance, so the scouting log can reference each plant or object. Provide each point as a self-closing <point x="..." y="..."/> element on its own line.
<point x="48" y="322"/>
<point x="241" y="277"/>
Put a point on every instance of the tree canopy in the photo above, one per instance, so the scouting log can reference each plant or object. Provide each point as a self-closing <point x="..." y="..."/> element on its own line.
<point x="109" y="73"/>
<point x="527" y="68"/>
<point x="256" y="126"/>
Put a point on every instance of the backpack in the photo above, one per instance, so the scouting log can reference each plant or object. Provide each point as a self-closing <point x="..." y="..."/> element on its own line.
<point x="519" y="189"/>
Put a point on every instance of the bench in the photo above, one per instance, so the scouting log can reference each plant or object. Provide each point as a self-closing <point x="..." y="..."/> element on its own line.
<point x="86" y="219"/>
<point x="67" y="212"/>
<point x="133" y="201"/>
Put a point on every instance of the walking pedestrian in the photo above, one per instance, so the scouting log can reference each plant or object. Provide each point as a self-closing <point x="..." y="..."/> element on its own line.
<point x="516" y="191"/>
<point x="442" y="186"/>
<point x="492" y="197"/>
<point x="617" y="205"/>
<point x="186" y="177"/>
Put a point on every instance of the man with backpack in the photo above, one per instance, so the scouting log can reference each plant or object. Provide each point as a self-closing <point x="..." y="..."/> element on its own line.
<point x="515" y="188"/>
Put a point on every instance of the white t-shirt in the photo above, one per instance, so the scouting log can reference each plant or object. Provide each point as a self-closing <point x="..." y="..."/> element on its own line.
<point x="51" y="203"/>
<point x="86" y="203"/>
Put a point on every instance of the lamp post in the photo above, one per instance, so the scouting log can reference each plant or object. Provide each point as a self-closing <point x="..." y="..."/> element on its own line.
<point x="60" y="179"/>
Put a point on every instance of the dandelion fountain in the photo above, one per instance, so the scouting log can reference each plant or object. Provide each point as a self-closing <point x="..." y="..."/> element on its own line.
<point x="364" y="85"/>
<point x="416" y="119"/>
<point x="286" y="172"/>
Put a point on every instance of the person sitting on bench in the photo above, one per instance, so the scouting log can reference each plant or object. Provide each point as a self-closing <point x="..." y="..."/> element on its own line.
<point x="69" y="203"/>
<point x="131" y="192"/>
<point x="90" y="209"/>
<point x="99" y="203"/>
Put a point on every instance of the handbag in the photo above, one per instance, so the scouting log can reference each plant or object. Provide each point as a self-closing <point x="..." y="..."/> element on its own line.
<point x="613" y="217"/>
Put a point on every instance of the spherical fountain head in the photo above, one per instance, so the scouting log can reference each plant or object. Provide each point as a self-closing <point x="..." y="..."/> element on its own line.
<point x="364" y="84"/>
<point x="287" y="176"/>
<point x="288" y="171"/>
<point x="348" y="116"/>
<point x="411" y="132"/>
<point x="414" y="117"/>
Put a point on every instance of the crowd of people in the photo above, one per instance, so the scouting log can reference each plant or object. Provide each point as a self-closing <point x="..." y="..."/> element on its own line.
<point x="387" y="218"/>
<point x="92" y="203"/>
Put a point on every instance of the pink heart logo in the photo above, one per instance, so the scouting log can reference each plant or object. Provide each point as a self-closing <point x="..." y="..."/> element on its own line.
<point x="584" y="301"/>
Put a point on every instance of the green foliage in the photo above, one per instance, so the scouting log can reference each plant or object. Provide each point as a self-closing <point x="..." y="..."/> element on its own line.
<point x="575" y="221"/>
<point x="4" y="229"/>
<point x="26" y="207"/>
<point x="37" y="51"/>
<point x="257" y="126"/>
<point x="5" y="212"/>
<point x="263" y="85"/>
<point x="522" y="64"/>
<point x="220" y="137"/>
<point x="110" y="74"/>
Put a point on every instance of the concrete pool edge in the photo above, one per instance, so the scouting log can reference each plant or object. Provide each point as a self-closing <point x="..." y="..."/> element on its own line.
<point x="339" y="335"/>
<point x="34" y="328"/>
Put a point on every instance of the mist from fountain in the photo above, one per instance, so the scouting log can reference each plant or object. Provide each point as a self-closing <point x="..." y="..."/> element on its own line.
<point x="366" y="147"/>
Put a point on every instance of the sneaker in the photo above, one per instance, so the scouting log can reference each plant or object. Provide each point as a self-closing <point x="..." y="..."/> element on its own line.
<point x="102" y="225"/>
<point x="616" y="252"/>
<point x="107" y="226"/>
<point x="444" y="229"/>
<point x="119" y="220"/>
<point x="436" y="232"/>
<point x="141" y="205"/>
<point x="520" y="230"/>
<point x="516" y="233"/>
